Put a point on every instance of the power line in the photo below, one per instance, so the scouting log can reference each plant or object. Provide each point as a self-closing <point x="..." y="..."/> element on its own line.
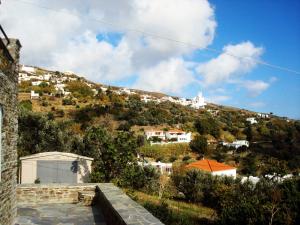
<point x="183" y="43"/>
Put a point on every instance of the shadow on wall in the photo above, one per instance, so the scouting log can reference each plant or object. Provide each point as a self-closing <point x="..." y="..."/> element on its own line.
<point x="83" y="169"/>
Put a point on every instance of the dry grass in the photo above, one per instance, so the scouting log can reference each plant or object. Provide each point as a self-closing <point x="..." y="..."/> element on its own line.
<point x="195" y="211"/>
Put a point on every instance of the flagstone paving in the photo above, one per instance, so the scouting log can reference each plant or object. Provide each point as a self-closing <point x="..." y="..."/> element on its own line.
<point x="59" y="214"/>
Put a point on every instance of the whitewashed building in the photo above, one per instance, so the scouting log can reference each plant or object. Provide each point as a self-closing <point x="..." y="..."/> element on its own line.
<point x="263" y="115"/>
<point x="34" y="95"/>
<point x="236" y="144"/>
<point x="37" y="83"/>
<point x="155" y="133"/>
<point x="213" y="167"/>
<point x="198" y="102"/>
<point x="179" y="135"/>
<point x="163" y="168"/>
<point x="170" y="136"/>
<point x="251" y="120"/>
<point x="28" y="69"/>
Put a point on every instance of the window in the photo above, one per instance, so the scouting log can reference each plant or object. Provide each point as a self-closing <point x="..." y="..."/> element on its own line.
<point x="1" y="115"/>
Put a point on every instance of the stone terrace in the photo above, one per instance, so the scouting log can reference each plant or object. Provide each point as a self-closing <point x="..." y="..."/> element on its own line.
<point x="79" y="204"/>
<point x="50" y="214"/>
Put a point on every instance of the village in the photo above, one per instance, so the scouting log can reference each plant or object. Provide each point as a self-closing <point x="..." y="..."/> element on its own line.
<point x="154" y="135"/>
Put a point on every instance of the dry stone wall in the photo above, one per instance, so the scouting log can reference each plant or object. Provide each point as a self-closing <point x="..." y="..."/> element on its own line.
<point x="9" y="131"/>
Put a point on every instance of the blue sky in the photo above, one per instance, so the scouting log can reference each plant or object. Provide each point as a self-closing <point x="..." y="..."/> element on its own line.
<point x="102" y="40"/>
<point x="275" y="25"/>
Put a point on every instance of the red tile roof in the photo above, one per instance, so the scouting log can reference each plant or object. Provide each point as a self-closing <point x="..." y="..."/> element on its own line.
<point x="209" y="165"/>
<point x="175" y="131"/>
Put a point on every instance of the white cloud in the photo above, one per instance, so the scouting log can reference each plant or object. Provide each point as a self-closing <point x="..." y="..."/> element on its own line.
<point x="98" y="60"/>
<point x="168" y="76"/>
<point x="255" y="87"/>
<point x="66" y="38"/>
<point x="234" y="61"/>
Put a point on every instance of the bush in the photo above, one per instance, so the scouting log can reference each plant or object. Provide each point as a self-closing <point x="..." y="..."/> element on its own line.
<point x="124" y="126"/>
<point x="138" y="177"/>
<point x="60" y="113"/>
<point x="68" y="101"/>
<point x="155" y="139"/>
<point x="172" y="159"/>
<point x="186" y="158"/>
<point x="26" y="104"/>
<point x="160" y="159"/>
<point x="45" y="103"/>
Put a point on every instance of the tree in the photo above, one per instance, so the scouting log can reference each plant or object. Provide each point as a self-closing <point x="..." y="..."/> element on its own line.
<point x="37" y="134"/>
<point x="111" y="153"/>
<point x="207" y="125"/>
<point x="199" y="144"/>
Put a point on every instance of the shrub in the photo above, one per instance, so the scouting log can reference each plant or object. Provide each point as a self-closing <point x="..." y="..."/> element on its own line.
<point x="124" y="126"/>
<point x="60" y="113"/>
<point x="172" y="159"/>
<point x="160" y="159"/>
<point x="45" y="103"/>
<point x="155" y="139"/>
<point x="26" y="104"/>
<point x="186" y="158"/>
<point x="68" y="101"/>
<point x="138" y="177"/>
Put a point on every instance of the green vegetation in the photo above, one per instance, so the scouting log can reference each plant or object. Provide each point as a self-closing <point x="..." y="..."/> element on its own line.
<point x="165" y="151"/>
<point x="109" y="128"/>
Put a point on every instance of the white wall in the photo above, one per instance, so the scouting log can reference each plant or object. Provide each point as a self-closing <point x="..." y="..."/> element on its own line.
<point x="225" y="173"/>
<point x="29" y="168"/>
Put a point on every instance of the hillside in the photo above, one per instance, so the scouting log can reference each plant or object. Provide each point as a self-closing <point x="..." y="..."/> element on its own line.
<point x="79" y="104"/>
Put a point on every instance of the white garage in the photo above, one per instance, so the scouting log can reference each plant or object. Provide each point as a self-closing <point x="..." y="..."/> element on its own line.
<point x="55" y="167"/>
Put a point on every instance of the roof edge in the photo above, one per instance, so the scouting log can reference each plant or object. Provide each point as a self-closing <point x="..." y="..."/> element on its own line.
<point x="55" y="153"/>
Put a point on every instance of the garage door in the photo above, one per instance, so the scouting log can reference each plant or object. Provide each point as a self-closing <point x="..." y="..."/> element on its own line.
<point x="57" y="171"/>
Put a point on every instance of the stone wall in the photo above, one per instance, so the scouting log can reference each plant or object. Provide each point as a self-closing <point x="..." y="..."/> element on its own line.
<point x="117" y="207"/>
<point x="51" y="193"/>
<point x="8" y="102"/>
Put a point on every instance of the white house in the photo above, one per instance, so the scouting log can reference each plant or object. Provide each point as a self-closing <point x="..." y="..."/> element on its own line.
<point x="69" y="72"/>
<point x="168" y="98"/>
<point x="155" y="133"/>
<point x="47" y="76"/>
<point x="163" y="168"/>
<point x="34" y="95"/>
<point x="37" y="83"/>
<point x="236" y="144"/>
<point x="252" y="120"/>
<point x="198" y="102"/>
<point x="55" y="167"/>
<point x="213" y="167"/>
<point x="184" y="102"/>
<point x="28" y="69"/>
<point x="179" y="135"/>
<point x="104" y="89"/>
<point x="263" y="115"/>
<point x="170" y="136"/>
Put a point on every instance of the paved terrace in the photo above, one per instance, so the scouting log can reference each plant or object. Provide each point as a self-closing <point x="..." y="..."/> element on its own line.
<point x="59" y="214"/>
<point x="79" y="204"/>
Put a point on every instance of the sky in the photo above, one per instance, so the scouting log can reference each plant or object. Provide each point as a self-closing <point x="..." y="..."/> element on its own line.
<point x="178" y="47"/>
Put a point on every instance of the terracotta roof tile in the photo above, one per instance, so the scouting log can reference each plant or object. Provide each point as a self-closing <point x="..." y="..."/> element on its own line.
<point x="209" y="165"/>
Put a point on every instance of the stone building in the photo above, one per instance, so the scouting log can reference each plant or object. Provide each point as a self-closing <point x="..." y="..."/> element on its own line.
<point x="9" y="56"/>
